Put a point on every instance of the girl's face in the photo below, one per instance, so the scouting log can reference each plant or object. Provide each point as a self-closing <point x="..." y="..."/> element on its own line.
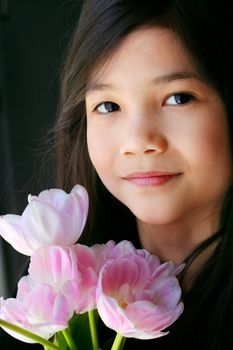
<point x="157" y="132"/>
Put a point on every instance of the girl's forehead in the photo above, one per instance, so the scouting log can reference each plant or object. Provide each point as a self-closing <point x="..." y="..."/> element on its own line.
<point x="143" y="48"/>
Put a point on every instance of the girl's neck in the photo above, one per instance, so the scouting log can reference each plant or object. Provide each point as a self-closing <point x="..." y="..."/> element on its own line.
<point x="177" y="240"/>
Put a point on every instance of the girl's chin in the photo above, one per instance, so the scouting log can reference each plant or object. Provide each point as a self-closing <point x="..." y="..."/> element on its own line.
<point x="157" y="220"/>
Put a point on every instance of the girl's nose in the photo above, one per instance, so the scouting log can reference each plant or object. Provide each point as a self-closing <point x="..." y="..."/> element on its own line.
<point x="143" y="136"/>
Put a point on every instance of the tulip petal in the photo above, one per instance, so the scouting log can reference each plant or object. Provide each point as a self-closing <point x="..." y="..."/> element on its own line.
<point x="42" y="223"/>
<point x="11" y="231"/>
<point x="53" y="265"/>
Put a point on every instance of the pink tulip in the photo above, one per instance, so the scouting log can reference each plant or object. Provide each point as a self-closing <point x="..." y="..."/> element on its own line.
<point x="46" y="298"/>
<point x="72" y="271"/>
<point x="54" y="265"/>
<point x="137" y="296"/>
<point x="52" y="218"/>
<point x="89" y="262"/>
<point x="41" y="311"/>
<point x="57" y="266"/>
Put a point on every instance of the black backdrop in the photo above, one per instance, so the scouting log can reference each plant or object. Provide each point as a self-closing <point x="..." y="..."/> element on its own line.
<point x="33" y="36"/>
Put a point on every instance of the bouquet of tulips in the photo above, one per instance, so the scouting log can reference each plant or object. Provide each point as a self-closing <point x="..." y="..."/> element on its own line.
<point x="70" y="285"/>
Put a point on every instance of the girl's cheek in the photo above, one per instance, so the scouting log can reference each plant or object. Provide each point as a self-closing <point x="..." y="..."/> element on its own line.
<point x="97" y="147"/>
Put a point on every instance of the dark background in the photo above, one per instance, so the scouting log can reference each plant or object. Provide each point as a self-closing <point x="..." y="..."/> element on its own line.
<point x="33" y="38"/>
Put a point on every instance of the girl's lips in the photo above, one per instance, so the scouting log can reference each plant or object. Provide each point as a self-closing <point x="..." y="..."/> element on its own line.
<point x="151" y="178"/>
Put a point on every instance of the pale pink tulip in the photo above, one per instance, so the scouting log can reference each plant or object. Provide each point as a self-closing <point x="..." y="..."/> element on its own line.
<point x="41" y="311"/>
<point x="136" y="295"/>
<point x="89" y="262"/>
<point x="52" y="218"/>
<point x="45" y="299"/>
<point x="54" y="265"/>
<point x="72" y="271"/>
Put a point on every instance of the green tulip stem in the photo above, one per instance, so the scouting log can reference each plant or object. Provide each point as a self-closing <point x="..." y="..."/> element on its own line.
<point x="36" y="338"/>
<point x="68" y="337"/>
<point x="94" y="336"/>
<point x="119" y="342"/>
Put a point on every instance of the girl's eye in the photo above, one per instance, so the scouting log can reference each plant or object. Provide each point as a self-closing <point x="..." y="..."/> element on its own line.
<point x="107" y="107"/>
<point x="179" y="99"/>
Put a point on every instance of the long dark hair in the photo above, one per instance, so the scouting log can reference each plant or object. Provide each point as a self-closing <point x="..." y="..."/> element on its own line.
<point x="205" y="28"/>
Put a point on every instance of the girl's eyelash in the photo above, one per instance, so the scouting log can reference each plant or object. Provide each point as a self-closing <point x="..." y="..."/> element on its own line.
<point x="180" y="98"/>
<point x="108" y="105"/>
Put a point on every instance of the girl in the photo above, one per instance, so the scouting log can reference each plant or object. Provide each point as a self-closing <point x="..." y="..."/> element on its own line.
<point x="146" y="126"/>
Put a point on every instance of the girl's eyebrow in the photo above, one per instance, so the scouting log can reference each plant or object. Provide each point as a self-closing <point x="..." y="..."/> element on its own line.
<point x="176" y="76"/>
<point x="167" y="78"/>
<point x="97" y="86"/>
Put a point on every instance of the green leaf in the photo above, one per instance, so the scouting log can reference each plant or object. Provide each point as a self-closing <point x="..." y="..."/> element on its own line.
<point x="80" y="330"/>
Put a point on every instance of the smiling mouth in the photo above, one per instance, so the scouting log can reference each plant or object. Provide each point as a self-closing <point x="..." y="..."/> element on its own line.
<point x="151" y="178"/>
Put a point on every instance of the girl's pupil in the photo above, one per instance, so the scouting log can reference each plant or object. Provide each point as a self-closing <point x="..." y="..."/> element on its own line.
<point x="182" y="98"/>
<point x="110" y="106"/>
